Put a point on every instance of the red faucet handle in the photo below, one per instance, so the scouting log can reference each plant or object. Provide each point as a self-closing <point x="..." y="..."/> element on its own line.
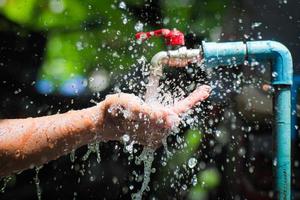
<point x="172" y="37"/>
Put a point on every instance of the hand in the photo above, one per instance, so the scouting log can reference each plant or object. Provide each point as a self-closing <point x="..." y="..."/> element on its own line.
<point x="144" y="123"/>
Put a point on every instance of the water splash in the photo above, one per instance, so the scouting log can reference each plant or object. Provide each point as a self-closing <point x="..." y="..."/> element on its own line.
<point x="147" y="157"/>
<point x="5" y="180"/>
<point x="166" y="93"/>
<point x="72" y="156"/>
<point x="37" y="182"/>
<point x="92" y="148"/>
<point x="152" y="90"/>
<point x="165" y="144"/>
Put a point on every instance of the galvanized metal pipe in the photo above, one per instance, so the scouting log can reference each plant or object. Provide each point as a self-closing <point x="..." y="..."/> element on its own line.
<point x="236" y="53"/>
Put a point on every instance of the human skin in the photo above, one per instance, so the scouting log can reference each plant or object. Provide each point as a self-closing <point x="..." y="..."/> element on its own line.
<point x="29" y="142"/>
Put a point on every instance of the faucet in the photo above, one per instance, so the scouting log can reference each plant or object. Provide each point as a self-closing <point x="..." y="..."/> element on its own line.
<point x="179" y="57"/>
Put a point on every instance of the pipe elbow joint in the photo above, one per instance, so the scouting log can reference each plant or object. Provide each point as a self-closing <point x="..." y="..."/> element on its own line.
<point x="278" y="54"/>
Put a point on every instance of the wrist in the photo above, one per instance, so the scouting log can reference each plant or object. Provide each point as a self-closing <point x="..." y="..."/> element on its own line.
<point x="96" y="114"/>
<point x="102" y="127"/>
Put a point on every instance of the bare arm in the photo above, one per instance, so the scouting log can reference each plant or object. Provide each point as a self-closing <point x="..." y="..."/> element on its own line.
<point x="25" y="143"/>
<point x="34" y="141"/>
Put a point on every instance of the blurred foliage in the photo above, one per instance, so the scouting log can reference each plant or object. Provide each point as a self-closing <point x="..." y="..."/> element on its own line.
<point x="200" y="17"/>
<point x="206" y="180"/>
<point x="85" y="35"/>
<point x="193" y="140"/>
<point x="201" y="181"/>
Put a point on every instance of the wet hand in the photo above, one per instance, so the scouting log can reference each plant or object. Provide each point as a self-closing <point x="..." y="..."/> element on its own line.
<point x="144" y="123"/>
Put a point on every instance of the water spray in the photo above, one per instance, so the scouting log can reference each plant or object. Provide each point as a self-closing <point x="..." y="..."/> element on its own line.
<point x="236" y="54"/>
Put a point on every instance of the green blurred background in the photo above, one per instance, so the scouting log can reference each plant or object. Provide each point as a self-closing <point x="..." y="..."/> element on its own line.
<point x="84" y="37"/>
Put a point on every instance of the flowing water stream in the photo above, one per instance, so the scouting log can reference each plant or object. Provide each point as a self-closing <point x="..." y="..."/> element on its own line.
<point x="37" y="182"/>
<point x="147" y="155"/>
<point x="5" y="181"/>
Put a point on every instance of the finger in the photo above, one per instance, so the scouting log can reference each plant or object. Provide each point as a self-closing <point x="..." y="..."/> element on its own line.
<point x="125" y="101"/>
<point x="200" y="94"/>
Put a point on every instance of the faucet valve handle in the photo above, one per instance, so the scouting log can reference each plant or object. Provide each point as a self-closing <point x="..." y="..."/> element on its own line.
<point x="172" y="37"/>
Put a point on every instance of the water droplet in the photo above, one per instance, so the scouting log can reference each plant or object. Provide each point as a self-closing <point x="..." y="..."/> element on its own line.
<point x="79" y="46"/>
<point x="99" y="81"/>
<point x="115" y="180"/>
<point x="218" y="133"/>
<point x="166" y="20"/>
<point x="124" y="19"/>
<point x="129" y="147"/>
<point x="72" y="156"/>
<point x="56" y="6"/>
<point x="255" y="24"/>
<point x="92" y="178"/>
<point x="184" y="186"/>
<point x="126" y="138"/>
<point x="139" y="26"/>
<point x="251" y="169"/>
<point x="192" y="162"/>
<point x="194" y="180"/>
<point x="274" y="74"/>
<point x="122" y="5"/>
<point x="242" y="151"/>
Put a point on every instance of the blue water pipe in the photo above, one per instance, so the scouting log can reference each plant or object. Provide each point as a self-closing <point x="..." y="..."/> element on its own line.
<point x="236" y="53"/>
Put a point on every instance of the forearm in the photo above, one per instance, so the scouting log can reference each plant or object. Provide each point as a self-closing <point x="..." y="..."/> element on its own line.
<point x="34" y="141"/>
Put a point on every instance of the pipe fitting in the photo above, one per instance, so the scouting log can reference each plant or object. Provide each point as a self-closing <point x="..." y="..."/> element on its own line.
<point x="174" y="58"/>
<point x="278" y="54"/>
